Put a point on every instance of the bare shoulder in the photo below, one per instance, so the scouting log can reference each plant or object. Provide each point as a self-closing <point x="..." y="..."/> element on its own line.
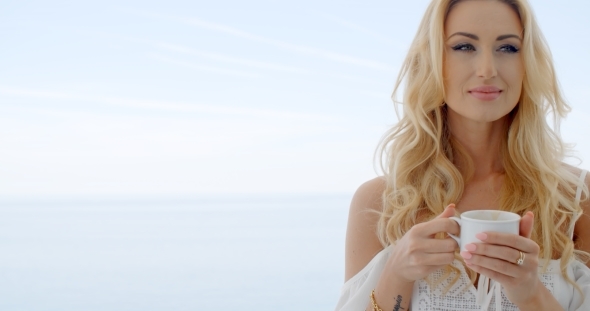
<point x="582" y="227"/>
<point x="362" y="243"/>
<point x="576" y="171"/>
<point x="585" y="202"/>
<point x="573" y="169"/>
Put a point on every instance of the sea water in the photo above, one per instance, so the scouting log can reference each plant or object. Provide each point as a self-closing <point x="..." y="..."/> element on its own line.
<point x="225" y="253"/>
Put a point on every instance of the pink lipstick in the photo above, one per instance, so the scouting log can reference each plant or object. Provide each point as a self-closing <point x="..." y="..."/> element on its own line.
<point x="485" y="93"/>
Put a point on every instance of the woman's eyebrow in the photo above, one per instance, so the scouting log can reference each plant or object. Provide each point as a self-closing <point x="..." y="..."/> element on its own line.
<point x="465" y="34"/>
<point x="475" y="37"/>
<point x="502" y="37"/>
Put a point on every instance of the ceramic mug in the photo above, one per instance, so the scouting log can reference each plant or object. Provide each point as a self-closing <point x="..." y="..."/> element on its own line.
<point x="477" y="221"/>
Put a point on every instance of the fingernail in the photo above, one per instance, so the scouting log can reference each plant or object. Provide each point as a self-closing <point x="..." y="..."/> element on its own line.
<point x="470" y="247"/>
<point x="482" y="236"/>
<point x="466" y="255"/>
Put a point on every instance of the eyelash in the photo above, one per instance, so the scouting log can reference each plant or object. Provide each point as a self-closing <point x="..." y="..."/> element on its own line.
<point x="507" y="48"/>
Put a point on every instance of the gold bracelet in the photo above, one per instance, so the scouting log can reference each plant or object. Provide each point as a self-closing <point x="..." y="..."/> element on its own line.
<point x="375" y="306"/>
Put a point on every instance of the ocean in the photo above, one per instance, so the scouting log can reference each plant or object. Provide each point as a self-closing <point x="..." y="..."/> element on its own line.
<point x="233" y="253"/>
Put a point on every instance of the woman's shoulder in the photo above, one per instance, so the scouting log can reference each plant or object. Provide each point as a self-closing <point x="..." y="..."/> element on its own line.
<point x="577" y="171"/>
<point x="581" y="184"/>
<point x="367" y="202"/>
<point x="362" y="242"/>
<point x="581" y="232"/>
<point x="369" y="194"/>
<point x="579" y="177"/>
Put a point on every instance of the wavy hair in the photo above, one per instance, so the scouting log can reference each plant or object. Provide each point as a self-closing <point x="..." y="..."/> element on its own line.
<point x="417" y="154"/>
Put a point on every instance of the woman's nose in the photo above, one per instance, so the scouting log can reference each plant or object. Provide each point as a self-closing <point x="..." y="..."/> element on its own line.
<point x="486" y="65"/>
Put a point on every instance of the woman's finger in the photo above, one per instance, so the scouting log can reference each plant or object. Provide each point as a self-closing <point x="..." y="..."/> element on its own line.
<point x="526" y="224"/>
<point x="494" y="275"/>
<point x="437" y="225"/>
<point x="448" y="212"/>
<point x="508" y="254"/>
<point x="439" y="259"/>
<point x="433" y="246"/>
<point x="510" y="240"/>
<point x="499" y="266"/>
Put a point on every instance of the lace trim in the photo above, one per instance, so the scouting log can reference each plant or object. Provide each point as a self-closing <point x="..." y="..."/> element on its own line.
<point x="462" y="296"/>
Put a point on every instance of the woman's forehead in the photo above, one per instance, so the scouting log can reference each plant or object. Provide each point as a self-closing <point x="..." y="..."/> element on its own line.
<point x="482" y="16"/>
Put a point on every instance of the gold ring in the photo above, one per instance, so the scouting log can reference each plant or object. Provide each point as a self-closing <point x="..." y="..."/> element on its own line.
<point x="520" y="260"/>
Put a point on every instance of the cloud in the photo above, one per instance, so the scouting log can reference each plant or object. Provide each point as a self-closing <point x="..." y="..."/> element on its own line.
<point x="177" y="48"/>
<point x="230" y="59"/>
<point x="172" y="106"/>
<point x="22" y="92"/>
<point x="295" y="48"/>
<point x="206" y="68"/>
<point x="379" y="37"/>
<point x="377" y="95"/>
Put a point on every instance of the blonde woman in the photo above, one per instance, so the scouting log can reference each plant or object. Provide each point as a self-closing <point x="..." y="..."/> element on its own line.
<point x="479" y="85"/>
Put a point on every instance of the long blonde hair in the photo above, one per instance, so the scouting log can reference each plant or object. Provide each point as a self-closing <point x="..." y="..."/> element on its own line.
<point x="417" y="154"/>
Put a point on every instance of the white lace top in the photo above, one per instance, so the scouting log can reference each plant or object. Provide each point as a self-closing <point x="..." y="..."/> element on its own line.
<point x="463" y="296"/>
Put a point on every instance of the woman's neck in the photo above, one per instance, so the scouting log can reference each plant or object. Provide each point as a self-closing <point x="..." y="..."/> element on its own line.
<point x="481" y="141"/>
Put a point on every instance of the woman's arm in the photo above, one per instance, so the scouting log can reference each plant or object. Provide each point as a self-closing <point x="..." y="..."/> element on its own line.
<point x="414" y="256"/>
<point x="362" y="243"/>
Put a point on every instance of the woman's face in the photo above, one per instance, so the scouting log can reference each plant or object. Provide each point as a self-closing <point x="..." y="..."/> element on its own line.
<point x="483" y="68"/>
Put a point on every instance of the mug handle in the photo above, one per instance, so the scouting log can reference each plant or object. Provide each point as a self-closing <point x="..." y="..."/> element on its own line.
<point x="456" y="238"/>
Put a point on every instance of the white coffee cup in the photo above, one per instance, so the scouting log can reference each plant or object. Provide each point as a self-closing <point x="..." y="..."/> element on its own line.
<point x="478" y="221"/>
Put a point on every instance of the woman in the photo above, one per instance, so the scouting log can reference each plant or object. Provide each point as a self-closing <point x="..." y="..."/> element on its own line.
<point x="479" y="84"/>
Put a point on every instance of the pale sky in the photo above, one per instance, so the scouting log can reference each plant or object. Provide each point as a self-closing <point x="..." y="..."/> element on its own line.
<point x="185" y="98"/>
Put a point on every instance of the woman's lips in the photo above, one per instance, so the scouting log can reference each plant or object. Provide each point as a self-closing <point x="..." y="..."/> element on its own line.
<point x="486" y="93"/>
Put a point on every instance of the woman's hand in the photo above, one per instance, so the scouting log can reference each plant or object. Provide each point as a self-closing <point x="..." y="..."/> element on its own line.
<point x="418" y="253"/>
<point x="497" y="258"/>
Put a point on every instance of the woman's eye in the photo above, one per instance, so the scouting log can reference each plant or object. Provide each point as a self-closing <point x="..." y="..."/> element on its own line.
<point x="509" y="49"/>
<point x="463" y="47"/>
